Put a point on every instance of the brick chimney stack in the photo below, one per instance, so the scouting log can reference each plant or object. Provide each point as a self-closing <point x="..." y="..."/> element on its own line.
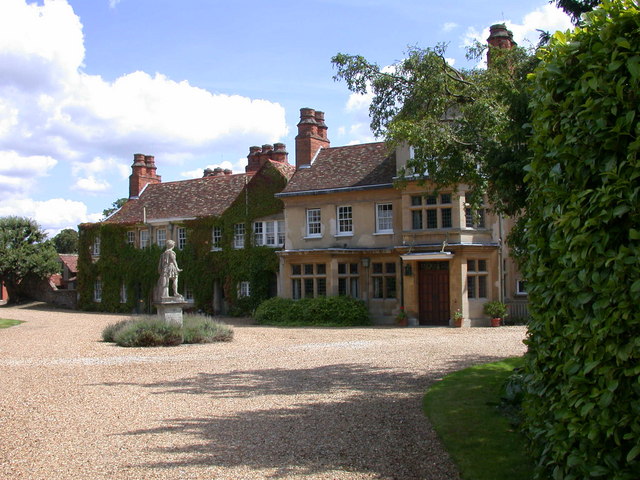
<point x="499" y="37"/>
<point x="312" y="136"/>
<point x="143" y="172"/>
<point x="258" y="156"/>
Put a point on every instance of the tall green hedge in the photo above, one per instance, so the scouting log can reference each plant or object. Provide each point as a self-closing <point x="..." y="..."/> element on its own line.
<point x="583" y="260"/>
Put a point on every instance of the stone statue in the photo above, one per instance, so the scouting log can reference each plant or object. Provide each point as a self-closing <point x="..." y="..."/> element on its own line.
<point x="168" y="270"/>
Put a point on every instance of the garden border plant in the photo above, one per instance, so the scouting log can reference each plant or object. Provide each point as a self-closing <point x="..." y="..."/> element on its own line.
<point x="152" y="331"/>
<point x="335" y="311"/>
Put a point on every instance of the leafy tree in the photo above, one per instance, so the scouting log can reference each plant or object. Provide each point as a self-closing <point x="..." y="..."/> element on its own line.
<point x="583" y="248"/>
<point x="24" y="251"/>
<point x="465" y="125"/>
<point x="114" y="206"/>
<point x="66" y="241"/>
<point x="575" y="8"/>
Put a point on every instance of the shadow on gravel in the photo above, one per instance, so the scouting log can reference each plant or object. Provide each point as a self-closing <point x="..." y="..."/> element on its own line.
<point x="369" y="420"/>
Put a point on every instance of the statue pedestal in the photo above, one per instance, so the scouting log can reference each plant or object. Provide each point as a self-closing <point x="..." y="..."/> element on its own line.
<point x="170" y="309"/>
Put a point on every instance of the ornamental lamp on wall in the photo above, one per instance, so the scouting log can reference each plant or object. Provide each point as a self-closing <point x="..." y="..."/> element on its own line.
<point x="408" y="271"/>
<point x="365" y="262"/>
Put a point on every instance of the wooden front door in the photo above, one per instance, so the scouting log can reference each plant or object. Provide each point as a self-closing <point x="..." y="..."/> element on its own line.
<point x="433" y="292"/>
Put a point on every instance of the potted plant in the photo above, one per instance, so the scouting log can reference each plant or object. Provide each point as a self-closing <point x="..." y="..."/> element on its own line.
<point x="401" y="318"/>
<point x="457" y="318"/>
<point x="496" y="311"/>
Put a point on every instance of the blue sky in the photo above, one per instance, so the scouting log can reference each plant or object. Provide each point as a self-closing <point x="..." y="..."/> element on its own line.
<point x="85" y="84"/>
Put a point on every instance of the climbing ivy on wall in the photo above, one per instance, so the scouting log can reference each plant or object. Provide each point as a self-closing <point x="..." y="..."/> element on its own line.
<point x="120" y="263"/>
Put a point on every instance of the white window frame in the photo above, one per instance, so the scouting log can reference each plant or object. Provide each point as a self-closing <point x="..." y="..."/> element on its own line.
<point x="384" y="215"/>
<point x="521" y="289"/>
<point x="268" y="233"/>
<point x="123" y="293"/>
<point x="161" y="237"/>
<point x="131" y="237"/>
<point x="95" y="249"/>
<point x="182" y="238"/>
<point x="188" y="293"/>
<point x="97" y="290"/>
<point x="238" y="235"/>
<point x="216" y="238"/>
<point x="144" y="238"/>
<point x="314" y="222"/>
<point x="344" y="220"/>
<point x="244" y="289"/>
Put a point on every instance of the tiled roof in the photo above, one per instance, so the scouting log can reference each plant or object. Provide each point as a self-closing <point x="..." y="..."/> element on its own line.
<point x="200" y="197"/>
<point x="286" y="169"/>
<point x="343" y="167"/>
<point x="70" y="260"/>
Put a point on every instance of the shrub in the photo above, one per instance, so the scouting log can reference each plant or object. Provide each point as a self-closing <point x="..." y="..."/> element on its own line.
<point x="148" y="332"/>
<point x="151" y="331"/>
<point x="201" y="329"/>
<point x="110" y="330"/>
<point x="320" y="311"/>
<point x="582" y="410"/>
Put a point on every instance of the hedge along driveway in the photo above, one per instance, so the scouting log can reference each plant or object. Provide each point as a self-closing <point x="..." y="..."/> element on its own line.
<point x="317" y="403"/>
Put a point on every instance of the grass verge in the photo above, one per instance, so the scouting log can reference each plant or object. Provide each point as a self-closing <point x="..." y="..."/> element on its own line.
<point x="464" y="408"/>
<point x="5" y="323"/>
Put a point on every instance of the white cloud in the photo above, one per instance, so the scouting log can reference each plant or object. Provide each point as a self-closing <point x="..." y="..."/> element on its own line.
<point x="448" y="26"/>
<point x="548" y="18"/>
<point x="19" y="174"/>
<point x="450" y="60"/>
<point x="52" y="215"/>
<point x="91" y="184"/>
<point x="48" y="103"/>
<point x="50" y="108"/>
<point x="358" y="102"/>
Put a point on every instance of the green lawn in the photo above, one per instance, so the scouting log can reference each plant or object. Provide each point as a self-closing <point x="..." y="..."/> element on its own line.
<point x="464" y="410"/>
<point x="8" y="323"/>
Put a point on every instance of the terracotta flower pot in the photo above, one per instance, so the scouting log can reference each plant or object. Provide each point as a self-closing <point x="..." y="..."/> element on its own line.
<point x="495" y="322"/>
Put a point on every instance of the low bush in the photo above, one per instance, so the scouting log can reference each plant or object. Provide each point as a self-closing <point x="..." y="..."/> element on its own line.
<point x="110" y="330"/>
<point x="151" y="331"/>
<point x="201" y="329"/>
<point x="320" y="311"/>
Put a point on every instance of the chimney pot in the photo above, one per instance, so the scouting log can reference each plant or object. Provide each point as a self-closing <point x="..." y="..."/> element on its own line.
<point x="312" y="136"/>
<point x="143" y="172"/>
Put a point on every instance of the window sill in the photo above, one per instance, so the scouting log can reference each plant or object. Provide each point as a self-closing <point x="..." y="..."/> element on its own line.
<point x="342" y="235"/>
<point x="312" y="237"/>
<point x="383" y="233"/>
<point x="216" y="249"/>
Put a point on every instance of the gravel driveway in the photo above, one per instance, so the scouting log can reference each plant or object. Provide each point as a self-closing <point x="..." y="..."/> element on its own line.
<point x="276" y="403"/>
